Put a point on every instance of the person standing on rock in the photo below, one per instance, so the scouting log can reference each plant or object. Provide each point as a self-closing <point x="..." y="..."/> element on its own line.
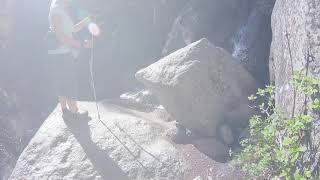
<point x="64" y="55"/>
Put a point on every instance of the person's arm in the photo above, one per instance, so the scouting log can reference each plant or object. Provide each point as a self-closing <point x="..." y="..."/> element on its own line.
<point x="58" y="29"/>
<point x="82" y="24"/>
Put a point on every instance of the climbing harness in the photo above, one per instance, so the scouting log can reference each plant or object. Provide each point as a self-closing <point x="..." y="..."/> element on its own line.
<point x="122" y="130"/>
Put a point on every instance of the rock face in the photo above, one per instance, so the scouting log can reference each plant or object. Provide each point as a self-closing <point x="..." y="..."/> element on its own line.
<point x="201" y="86"/>
<point x="11" y="139"/>
<point x="241" y="27"/>
<point x="217" y="20"/>
<point x="295" y="46"/>
<point x="6" y="8"/>
<point x="86" y="150"/>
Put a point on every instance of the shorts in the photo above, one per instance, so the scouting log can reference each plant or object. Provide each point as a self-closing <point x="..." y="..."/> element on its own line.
<point x="64" y="76"/>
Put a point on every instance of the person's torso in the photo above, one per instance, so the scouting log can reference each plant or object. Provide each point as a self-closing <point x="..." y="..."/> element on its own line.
<point x="67" y="28"/>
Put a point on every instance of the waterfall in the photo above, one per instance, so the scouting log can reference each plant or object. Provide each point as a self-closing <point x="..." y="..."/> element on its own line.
<point x="251" y="43"/>
<point x="244" y="39"/>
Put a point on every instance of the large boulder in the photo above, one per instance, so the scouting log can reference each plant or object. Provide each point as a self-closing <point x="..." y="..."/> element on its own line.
<point x="86" y="150"/>
<point x="201" y="86"/>
<point x="79" y="149"/>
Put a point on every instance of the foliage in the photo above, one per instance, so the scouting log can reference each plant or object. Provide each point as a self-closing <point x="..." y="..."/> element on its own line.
<point x="277" y="142"/>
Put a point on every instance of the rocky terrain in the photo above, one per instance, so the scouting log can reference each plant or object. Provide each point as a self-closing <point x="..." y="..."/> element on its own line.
<point x="135" y="34"/>
<point x="197" y="62"/>
<point x="135" y="140"/>
<point x="82" y="149"/>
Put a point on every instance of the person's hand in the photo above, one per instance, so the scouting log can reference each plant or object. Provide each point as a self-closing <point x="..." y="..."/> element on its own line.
<point x="76" y="44"/>
<point x="88" y="44"/>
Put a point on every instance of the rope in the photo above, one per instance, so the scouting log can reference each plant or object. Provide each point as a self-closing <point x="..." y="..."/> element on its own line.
<point x="121" y="129"/>
<point x="99" y="116"/>
<point x="135" y="142"/>
<point x="92" y="77"/>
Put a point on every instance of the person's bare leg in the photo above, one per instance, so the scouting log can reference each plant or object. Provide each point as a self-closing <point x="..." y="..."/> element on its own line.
<point x="74" y="109"/>
<point x="72" y="105"/>
<point x="63" y="102"/>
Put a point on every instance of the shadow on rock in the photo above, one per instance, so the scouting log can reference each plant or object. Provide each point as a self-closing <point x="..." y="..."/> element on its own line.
<point x="213" y="148"/>
<point x="105" y="166"/>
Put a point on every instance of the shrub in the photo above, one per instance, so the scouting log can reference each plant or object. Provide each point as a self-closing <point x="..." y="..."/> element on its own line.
<point x="277" y="141"/>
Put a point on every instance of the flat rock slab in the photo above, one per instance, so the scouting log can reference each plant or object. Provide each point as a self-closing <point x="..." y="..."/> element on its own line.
<point x="201" y="86"/>
<point x="87" y="150"/>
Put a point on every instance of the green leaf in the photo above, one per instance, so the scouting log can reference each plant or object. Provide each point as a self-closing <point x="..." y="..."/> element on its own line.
<point x="287" y="141"/>
<point x="261" y="92"/>
<point x="252" y="97"/>
<point x="302" y="149"/>
<point x="295" y="157"/>
<point x="283" y="174"/>
<point x="315" y="104"/>
<point x="297" y="176"/>
<point x="308" y="174"/>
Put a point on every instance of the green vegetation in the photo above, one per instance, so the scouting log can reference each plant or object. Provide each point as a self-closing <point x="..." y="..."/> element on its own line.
<point x="277" y="141"/>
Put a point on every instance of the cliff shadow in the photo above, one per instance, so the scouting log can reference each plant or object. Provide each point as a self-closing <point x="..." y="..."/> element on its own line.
<point x="103" y="164"/>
